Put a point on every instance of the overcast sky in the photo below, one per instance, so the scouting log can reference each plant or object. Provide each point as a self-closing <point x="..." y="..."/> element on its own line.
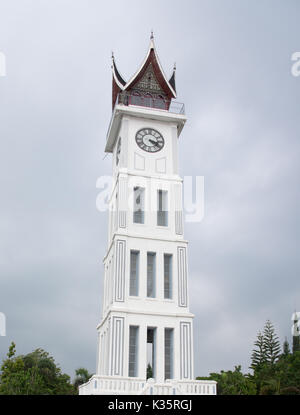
<point x="242" y="134"/>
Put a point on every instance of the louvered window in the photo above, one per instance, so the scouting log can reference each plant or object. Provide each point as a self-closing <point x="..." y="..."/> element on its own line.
<point x="134" y="273"/>
<point x="168" y="353"/>
<point x="133" y="350"/>
<point x="151" y="260"/>
<point x="138" y="204"/>
<point x="167" y="276"/>
<point x="162" y="208"/>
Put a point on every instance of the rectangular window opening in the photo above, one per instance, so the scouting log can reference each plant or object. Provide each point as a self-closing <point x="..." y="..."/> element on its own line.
<point x="162" y="208"/>
<point x="138" y="205"/>
<point x="134" y="273"/>
<point x="168" y="276"/>
<point x="151" y="263"/>
<point x="151" y="352"/>
<point x="169" y="351"/>
<point x="133" y="351"/>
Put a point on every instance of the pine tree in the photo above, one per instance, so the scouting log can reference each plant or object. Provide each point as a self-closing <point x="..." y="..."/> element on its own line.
<point x="271" y="344"/>
<point x="286" y="348"/>
<point x="258" y="356"/>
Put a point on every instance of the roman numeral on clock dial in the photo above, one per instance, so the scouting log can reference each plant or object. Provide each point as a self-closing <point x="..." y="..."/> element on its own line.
<point x="149" y="140"/>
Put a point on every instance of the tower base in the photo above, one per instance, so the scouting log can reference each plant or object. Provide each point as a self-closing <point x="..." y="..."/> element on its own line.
<point x="114" y="385"/>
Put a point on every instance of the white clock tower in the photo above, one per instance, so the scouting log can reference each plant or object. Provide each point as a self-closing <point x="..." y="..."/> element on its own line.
<point x="145" y="337"/>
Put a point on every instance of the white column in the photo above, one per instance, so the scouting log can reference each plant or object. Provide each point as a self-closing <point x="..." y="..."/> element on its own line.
<point x="142" y="351"/>
<point x="143" y="274"/>
<point x="160" y="275"/>
<point x="176" y="352"/>
<point x="160" y="354"/>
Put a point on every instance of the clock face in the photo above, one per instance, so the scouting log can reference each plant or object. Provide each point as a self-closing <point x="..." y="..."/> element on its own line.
<point x="149" y="140"/>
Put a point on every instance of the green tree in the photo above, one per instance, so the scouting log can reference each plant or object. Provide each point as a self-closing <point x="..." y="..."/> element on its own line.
<point x="288" y="373"/>
<point x="286" y="348"/>
<point x="33" y="374"/>
<point x="258" y="356"/>
<point x="267" y="349"/>
<point x="274" y="372"/>
<point x="54" y="382"/>
<point x="82" y="376"/>
<point x="232" y="382"/>
<point x="149" y="371"/>
<point x="271" y="344"/>
<point x="14" y="379"/>
<point x="264" y="360"/>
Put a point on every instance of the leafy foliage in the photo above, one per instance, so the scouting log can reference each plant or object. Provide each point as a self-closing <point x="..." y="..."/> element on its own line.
<point x="82" y="376"/>
<point x="267" y="349"/>
<point x="149" y="371"/>
<point x="286" y="348"/>
<point x="233" y="382"/>
<point x="263" y="361"/>
<point x="33" y="374"/>
<point x="271" y="344"/>
<point x="258" y="355"/>
<point x="274" y="373"/>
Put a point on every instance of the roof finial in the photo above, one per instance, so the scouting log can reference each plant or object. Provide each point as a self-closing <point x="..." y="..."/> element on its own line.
<point x="151" y="37"/>
<point x="174" y="67"/>
<point x="112" y="55"/>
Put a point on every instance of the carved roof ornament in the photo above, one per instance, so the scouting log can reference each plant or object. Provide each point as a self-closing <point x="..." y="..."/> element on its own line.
<point x="149" y="82"/>
<point x="150" y="77"/>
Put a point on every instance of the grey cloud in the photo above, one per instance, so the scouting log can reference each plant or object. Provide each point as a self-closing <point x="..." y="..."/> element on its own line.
<point x="242" y="135"/>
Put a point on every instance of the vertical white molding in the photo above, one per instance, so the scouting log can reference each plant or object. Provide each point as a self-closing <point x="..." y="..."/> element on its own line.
<point x="143" y="272"/>
<point x="97" y="353"/>
<point x="182" y="276"/>
<point x="100" y="354"/>
<point x="192" y="349"/>
<point x="176" y="352"/>
<point x="108" y="355"/>
<point x="160" y="354"/>
<point x="123" y="202"/>
<point x="120" y="255"/>
<point x="124" y="146"/>
<point x="111" y="279"/>
<point x="107" y="283"/>
<point x="104" y="289"/>
<point x="117" y="346"/>
<point x="185" y="351"/>
<point x="178" y="209"/>
<point x="142" y="351"/>
<point x="159" y="276"/>
<point x="175" y="150"/>
<point x="126" y="347"/>
<point x="104" y="370"/>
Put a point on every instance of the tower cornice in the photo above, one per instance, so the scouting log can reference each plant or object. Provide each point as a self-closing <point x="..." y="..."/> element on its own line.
<point x="139" y="112"/>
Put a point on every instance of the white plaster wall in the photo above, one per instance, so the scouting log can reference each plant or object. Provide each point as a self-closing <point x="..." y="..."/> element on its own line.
<point x="152" y="171"/>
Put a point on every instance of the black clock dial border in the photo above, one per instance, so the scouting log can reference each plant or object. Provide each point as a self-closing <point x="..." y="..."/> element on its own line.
<point x="159" y="144"/>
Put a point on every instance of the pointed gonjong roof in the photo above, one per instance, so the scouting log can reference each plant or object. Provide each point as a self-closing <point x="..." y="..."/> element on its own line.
<point x="151" y="62"/>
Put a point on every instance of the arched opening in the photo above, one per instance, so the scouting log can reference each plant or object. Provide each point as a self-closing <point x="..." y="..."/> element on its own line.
<point x="159" y="102"/>
<point x="136" y="98"/>
<point x="148" y="100"/>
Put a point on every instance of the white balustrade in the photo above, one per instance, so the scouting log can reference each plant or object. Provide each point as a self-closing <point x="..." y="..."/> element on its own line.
<point x="106" y="385"/>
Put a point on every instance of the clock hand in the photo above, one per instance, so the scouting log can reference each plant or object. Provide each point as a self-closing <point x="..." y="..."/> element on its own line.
<point x="152" y="141"/>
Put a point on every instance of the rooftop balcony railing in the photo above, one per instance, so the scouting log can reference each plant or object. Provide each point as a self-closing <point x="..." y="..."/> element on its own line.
<point x="147" y="100"/>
